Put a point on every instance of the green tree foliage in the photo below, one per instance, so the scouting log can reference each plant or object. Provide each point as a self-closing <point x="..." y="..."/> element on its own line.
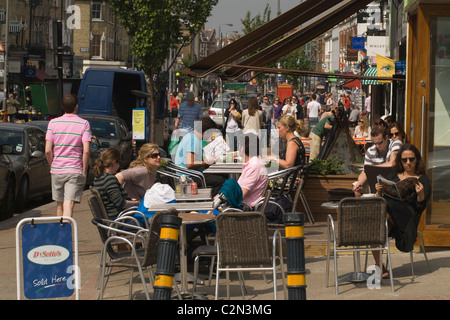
<point x="155" y="27"/>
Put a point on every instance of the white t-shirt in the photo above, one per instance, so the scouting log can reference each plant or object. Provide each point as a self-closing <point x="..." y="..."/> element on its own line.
<point x="291" y="110"/>
<point x="313" y="108"/>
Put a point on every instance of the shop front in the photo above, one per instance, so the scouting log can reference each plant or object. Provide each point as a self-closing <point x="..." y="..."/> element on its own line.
<point x="427" y="116"/>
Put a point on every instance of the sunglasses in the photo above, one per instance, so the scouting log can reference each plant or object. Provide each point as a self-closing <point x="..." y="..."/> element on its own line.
<point x="154" y="155"/>
<point x="395" y="134"/>
<point x="412" y="159"/>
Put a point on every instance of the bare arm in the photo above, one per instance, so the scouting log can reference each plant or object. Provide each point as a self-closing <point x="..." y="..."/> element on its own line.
<point x="49" y="151"/>
<point x="86" y="146"/>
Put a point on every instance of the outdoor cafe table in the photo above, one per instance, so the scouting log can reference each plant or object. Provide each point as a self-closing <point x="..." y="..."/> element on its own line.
<point x="204" y="194"/>
<point x="233" y="169"/>
<point x="187" y="218"/>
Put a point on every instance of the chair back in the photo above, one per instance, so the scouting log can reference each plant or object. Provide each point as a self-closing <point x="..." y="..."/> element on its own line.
<point x="302" y="174"/>
<point x="361" y="221"/>
<point x="152" y="245"/>
<point x="97" y="207"/>
<point x="242" y="239"/>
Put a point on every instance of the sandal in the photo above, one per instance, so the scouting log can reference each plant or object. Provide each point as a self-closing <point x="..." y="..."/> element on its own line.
<point x="385" y="273"/>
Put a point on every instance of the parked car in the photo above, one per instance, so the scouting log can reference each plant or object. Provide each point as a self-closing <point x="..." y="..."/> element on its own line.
<point x="215" y="110"/>
<point x="7" y="183"/>
<point x="112" y="132"/>
<point x="27" y="155"/>
<point x="94" y="152"/>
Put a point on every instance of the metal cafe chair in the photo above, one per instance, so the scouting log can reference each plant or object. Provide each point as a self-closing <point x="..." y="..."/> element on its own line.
<point x="361" y="222"/>
<point x="243" y="244"/>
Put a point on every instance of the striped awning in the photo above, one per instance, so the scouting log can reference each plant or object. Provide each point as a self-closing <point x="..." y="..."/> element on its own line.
<point x="371" y="72"/>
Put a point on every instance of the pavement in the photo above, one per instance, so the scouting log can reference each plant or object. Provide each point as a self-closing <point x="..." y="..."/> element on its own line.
<point x="432" y="285"/>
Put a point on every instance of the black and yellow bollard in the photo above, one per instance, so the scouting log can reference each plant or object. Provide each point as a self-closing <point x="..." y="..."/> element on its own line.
<point x="167" y="252"/>
<point x="295" y="252"/>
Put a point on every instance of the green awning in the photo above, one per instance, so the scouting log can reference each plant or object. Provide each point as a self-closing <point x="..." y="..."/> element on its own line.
<point x="371" y="72"/>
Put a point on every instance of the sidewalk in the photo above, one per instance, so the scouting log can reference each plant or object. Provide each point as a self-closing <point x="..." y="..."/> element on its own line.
<point x="427" y="286"/>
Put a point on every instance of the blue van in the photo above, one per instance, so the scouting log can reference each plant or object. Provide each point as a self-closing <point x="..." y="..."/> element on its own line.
<point x="109" y="92"/>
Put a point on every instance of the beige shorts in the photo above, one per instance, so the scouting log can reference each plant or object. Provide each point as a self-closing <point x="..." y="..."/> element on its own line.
<point x="68" y="186"/>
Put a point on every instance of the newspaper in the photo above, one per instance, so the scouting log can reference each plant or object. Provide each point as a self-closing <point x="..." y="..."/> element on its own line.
<point x="398" y="190"/>
<point x="215" y="149"/>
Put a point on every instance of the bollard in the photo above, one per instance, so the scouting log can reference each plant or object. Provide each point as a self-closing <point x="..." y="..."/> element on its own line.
<point x="295" y="252"/>
<point x="167" y="250"/>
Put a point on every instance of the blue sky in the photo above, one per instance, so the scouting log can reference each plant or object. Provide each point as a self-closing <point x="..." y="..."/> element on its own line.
<point x="232" y="11"/>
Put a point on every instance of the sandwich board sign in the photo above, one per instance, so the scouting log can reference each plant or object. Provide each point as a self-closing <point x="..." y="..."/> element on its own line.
<point x="47" y="258"/>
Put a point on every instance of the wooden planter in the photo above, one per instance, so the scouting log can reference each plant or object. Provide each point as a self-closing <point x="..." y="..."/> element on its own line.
<point x="316" y="191"/>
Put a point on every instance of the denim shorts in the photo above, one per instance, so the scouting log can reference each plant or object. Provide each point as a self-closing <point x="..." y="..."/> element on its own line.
<point x="68" y="186"/>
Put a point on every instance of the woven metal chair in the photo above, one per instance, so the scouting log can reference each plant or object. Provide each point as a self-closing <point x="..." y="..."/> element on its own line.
<point x="146" y="259"/>
<point x="243" y="244"/>
<point x="361" y="223"/>
<point x="99" y="211"/>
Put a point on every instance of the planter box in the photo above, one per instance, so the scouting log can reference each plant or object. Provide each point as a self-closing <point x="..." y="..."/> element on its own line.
<point x="316" y="192"/>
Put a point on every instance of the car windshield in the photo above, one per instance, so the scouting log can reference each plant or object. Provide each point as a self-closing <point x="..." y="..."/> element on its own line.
<point x="218" y="105"/>
<point x="103" y="128"/>
<point x="13" y="138"/>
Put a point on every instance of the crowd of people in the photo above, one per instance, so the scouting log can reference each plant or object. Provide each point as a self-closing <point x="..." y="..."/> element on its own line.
<point x="120" y="190"/>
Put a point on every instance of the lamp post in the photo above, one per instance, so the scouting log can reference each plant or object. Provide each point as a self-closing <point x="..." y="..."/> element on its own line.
<point x="220" y="33"/>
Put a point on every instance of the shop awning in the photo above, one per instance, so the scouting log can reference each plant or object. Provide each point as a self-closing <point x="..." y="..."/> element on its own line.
<point x="321" y="85"/>
<point x="371" y="72"/>
<point x="299" y="26"/>
<point x="353" y="83"/>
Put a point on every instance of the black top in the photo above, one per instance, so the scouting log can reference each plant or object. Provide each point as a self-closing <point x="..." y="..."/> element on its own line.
<point x="300" y="159"/>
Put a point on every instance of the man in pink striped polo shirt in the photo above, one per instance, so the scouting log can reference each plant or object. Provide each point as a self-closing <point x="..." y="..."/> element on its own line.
<point x="67" y="150"/>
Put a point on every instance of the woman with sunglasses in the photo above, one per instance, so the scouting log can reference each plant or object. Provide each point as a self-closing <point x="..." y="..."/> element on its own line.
<point x="141" y="174"/>
<point x="404" y="215"/>
<point x="396" y="131"/>
<point x="362" y="130"/>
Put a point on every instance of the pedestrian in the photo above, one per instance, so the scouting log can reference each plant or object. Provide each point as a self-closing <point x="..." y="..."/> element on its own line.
<point x="232" y="126"/>
<point x="267" y="108"/>
<point x="67" y="151"/>
<point x="11" y="107"/>
<point x="289" y="109"/>
<point x="114" y="196"/>
<point x="141" y="175"/>
<point x="319" y="132"/>
<point x="347" y="104"/>
<point x="313" y="112"/>
<point x="362" y="130"/>
<point x="189" y="112"/>
<point x="277" y="109"/>
<point x="174" y="105"/>
<point x="252" y="118"/>
<point x="354" y="116"/>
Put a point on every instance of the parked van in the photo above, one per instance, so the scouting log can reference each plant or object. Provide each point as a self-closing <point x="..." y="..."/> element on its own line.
<point x="109" y="92"/>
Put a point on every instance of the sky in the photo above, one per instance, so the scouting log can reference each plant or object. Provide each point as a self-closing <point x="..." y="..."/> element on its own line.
<point x="232" y="11"/>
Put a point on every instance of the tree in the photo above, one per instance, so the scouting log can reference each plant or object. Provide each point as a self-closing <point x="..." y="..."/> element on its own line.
<point x="156" y="27"/>
<point x="295" y="60"/>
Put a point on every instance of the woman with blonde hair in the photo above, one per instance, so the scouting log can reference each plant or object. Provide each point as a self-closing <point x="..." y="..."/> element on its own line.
<point x="141" y="174"/>
<point x="362" y="130"/>
<point x="294" y="154"/>
<point x="252" y="117"/>
<point x="114" y="197"/>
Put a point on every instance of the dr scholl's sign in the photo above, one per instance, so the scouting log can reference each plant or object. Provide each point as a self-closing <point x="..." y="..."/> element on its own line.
<point x="47" y="260"/>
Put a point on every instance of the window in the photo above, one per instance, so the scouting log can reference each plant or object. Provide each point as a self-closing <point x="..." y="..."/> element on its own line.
<point x="96" y="11"/>
<point x="95" y="45"/>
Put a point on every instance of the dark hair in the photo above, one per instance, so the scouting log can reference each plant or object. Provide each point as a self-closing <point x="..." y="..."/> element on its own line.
<point x="420" y="168"/>
<point x="69" y="102"/>
<point x="252" y="106"/>
<point x="377" y="130"/>
<point x="108" y="157"/>
<point x="208" y="123"/>
<point x="250" y="143"/>
<point x="399" y="128"/>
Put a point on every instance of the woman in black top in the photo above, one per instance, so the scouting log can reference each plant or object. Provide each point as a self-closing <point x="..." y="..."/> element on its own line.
<point x="404" y="215"/>
<point x="294" y="154"/>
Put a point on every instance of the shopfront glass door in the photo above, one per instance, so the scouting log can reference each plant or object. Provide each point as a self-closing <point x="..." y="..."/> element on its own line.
<point x="439" y="123"/>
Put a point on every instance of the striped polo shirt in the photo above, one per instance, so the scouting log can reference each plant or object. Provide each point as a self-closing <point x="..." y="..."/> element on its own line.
<point x="373" y="157"/>
<point x="67" y="133"/>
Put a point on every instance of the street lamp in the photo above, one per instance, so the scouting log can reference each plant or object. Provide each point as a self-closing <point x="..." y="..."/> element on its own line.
<point x="220" y="33"/>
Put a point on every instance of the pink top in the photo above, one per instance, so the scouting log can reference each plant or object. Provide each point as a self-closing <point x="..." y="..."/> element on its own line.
<point x="254" y="179"/>
<point x="67" y="133"/>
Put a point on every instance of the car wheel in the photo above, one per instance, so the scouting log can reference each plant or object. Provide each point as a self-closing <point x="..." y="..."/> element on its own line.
<point x="22" y="195"/>
<point x="7" y="207"/>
